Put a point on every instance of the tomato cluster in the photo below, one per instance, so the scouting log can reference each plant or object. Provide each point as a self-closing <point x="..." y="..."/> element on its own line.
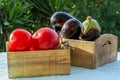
<point x="43" y="39"/>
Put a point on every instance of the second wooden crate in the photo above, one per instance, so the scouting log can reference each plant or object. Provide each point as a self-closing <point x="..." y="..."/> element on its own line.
<point x="92" y="54"/>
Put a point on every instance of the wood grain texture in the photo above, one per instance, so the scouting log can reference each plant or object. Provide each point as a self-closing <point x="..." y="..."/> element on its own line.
<point x="106" y="49"/>
<point x="92" y="54"/>
<point x="83" y="54"/>
<point x="38" y="63"/>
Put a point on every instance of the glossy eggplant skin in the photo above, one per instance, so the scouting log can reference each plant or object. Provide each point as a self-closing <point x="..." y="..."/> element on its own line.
<point x="58" y="19"/>
<point x="71" y="29"/>
<point x="91" y="35"/>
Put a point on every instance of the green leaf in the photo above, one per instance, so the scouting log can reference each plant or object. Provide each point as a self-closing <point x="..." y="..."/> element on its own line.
<point x="6" y="22"/>
<point x="18" y="22"/>
<point x="1" y="31"/>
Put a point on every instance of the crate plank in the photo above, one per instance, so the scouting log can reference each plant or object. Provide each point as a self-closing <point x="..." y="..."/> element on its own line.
<point x="38" y="63"/>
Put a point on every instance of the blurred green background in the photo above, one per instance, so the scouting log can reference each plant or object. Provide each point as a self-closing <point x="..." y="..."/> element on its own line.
<point x="32" y="14"/>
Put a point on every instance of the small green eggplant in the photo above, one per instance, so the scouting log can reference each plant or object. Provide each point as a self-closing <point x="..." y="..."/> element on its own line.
<point x="71" y="29"/>
<point x="90" y="29"/>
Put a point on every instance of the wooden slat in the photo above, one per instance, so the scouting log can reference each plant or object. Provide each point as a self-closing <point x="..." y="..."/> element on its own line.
<point x="83" y="55"/>
<point x="38" y="63"/>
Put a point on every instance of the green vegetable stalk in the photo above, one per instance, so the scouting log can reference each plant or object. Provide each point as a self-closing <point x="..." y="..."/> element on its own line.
<point x="90" y="29"/>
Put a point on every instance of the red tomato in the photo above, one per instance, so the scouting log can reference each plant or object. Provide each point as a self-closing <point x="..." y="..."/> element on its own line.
<point x="20" y="40"/>
<point x="45" y="38"/>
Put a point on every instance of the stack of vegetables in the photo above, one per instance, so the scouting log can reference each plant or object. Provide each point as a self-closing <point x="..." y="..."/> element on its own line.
<point x="69" y="27"/>
<point x="64" y="25"/>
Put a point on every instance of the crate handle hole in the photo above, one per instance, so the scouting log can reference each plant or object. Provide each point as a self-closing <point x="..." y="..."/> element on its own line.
<point x="106" y="43"/>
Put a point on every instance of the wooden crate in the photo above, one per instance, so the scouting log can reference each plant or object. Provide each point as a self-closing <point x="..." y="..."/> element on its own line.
<point x="38" y="63"/>
<point x="92" y="54"/>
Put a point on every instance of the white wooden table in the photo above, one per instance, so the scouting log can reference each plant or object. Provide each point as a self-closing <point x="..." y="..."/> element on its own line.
<point x="109" y="71"/>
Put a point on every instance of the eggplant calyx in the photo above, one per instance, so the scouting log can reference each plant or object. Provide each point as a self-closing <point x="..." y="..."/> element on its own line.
<point x="90" y="23"/>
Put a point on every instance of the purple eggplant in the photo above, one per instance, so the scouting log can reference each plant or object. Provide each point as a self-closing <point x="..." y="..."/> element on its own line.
<point x="58" y="19"/>
<point x="71" y="29"/>
<point x="90" y="29"/>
